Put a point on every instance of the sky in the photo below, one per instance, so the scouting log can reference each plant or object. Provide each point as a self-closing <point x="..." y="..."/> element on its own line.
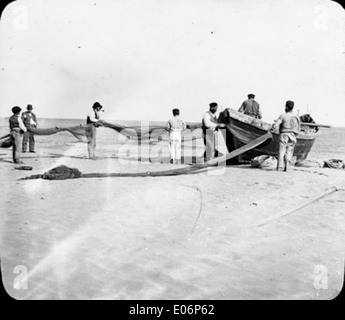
<point x="142" y="58"/>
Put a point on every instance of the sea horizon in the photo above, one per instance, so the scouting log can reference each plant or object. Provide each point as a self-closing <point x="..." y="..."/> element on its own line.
<point x="124" y="121"/>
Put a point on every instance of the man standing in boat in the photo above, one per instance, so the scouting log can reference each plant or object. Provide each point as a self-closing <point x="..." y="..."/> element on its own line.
<point x="175" y="126"/>
<point x="210" y="125"/>
<point x="251" y="108"/>
<point x="289" y="127"/>
<point x="93" y="121"/>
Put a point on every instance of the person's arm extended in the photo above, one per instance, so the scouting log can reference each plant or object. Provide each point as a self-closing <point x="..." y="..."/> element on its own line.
<point x="35" y="119"/>
<point x="277" y="123"/>
<point x="184" y="125"/>
<point x="21" y="124"/>
<point x="208" y="123"/>
<point x="298" y="125"/>
<point x="168" y="126"/>
<point x="241" y="109"/>
<point x="92" y="117"/>
<point x="259" y="112"/>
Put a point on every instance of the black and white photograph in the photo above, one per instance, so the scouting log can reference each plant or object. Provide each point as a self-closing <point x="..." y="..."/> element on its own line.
<point x="172" y="150"/>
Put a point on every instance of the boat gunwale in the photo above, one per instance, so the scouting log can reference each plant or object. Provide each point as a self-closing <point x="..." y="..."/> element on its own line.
<point x="253" y="122"/>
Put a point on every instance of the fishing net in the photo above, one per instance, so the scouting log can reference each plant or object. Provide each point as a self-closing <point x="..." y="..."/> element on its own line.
<point x="154" y="133"/>
<point x="5" y="141"/>
<point x="264" y="162"/>
<point x="150" y="133"/>
<point x="334" y="164"/>
<point x="63" y="172"/>
<point x="76" y="131"/>
<point x="311" y="164"/>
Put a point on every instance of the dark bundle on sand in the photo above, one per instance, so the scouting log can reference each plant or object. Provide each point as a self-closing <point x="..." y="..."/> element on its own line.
<point x="23" y="168"/>
<point x="58" y="173"/>
<point x="61" y="173"/>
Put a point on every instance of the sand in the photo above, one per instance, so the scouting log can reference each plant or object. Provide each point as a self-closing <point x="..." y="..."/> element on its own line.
<point x="223" y="234"/>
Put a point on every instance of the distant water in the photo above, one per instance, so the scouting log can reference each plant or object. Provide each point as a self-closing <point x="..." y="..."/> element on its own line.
<point x="329" y="144"/>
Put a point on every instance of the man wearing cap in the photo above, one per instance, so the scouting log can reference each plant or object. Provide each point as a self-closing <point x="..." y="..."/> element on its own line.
<point x="251" y="108"/>
<point x="175" y="126"/>
<point x="210" y="125"/>
<point x="92" y="122"/>
<point x="289" y="126"/>
<point x="17" y="128"/>
<point x="30" y="121"/>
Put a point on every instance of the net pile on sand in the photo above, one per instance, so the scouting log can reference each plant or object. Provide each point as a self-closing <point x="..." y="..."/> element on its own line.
<point x="5" y="141"/>
<point x="264" y="162"/>
<point x="334" y="164"/>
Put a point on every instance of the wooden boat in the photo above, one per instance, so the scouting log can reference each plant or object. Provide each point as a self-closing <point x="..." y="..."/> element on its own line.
<point x="241" y="129"/>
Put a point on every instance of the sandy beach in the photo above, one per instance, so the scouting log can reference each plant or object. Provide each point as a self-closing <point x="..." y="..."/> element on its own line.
<point x="227" y="233"/>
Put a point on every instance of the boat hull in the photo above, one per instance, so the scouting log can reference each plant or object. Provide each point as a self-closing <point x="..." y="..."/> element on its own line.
<point x="242" y="129"/>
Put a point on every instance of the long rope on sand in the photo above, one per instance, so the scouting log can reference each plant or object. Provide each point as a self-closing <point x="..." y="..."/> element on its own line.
<point x="200" y="209"/>
<point x="63" y="172"/>
<point x="280" y="215"/>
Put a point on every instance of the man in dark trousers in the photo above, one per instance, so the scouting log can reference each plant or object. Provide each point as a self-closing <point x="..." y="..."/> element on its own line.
<point x="30" y="121"/>
<point x="251" y="108"/>
<point x="17" y="128"/>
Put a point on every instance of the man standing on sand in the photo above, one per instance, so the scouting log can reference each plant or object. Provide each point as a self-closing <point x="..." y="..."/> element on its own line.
<point x="175" y="126"/>
<point x="209" y="127"/>
<point x="30" y="121"/>
<point x="17" y="128"/>
<point x="92" y="122"/>
<point x="289" y="127"/>
<point x="251" y="108"/>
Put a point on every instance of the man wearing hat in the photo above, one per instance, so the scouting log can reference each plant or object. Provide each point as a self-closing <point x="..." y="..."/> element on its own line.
<point x="30" y="121"/>
<point x="17" y="128"/>
<point x="289" y="126"/>
<point x="210" y="125"/>
<point x="250" y="107"/>
<point x="93" y="121"/>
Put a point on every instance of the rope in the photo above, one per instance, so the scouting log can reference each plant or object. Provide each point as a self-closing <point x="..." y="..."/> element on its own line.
<point x="280" y="215"/>
<point x="200" y="209"/>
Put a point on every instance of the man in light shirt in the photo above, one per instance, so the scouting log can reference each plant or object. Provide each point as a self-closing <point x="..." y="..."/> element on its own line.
<point x="209" y="126"/>
<point x="92" y="122"/>
<point x="175" y="126"/>
<point x="289" y="127"/>
<point x="17" y="128"/>
<point x="30" y="121"/>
